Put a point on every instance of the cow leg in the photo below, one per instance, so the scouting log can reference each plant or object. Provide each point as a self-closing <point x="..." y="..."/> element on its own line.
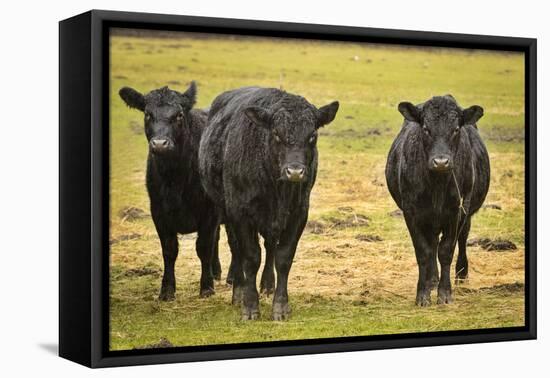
<point x="169" y="244"/>
<point x="425" y="242"/>
<point x="205" y="250"/>
<point x="461" y="269"/>
<point x="250" y="254"/>
<point x="445" y="254"/>
<point x="216" y="265"/>
<point x="235" y="274"/>
<point x="231" y="272"/>
<point x="284" y="256"/>
<point x="267" y="283"/>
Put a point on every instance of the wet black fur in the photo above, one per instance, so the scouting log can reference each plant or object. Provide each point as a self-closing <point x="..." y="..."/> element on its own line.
<point x="430" y="200"/>
<point x="178" y="202"/>
<point x="252" y="135"/>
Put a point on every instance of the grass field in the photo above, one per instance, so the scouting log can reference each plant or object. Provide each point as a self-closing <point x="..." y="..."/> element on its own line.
<point x="355" y="272"/>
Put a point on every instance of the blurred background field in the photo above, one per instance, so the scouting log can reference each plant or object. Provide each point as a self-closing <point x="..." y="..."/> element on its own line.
<point x="355" y="271"/>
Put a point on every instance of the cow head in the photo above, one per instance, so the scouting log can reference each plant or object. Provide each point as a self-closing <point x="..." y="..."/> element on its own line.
<point x="166" y="113"/>
<point x="292" y="126"/>
<point x="441" y="121"/>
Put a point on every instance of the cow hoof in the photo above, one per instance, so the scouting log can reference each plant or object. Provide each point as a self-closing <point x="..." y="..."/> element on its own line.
<point x="423" y="300"/>
<point x="167" y="296"/>
<point x="205" y="293"/>
<point x="280" y="312"/>
<point x="250" y="314"/>
<point x="444" y="296"/>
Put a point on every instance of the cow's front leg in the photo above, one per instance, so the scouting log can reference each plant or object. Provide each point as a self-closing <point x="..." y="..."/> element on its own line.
<point x="445" y="255"/>
<point x="284" y="256"/>
<point x="425" y="242"/>
<point x="169" y="244"/>
<point x="250" y="256"/>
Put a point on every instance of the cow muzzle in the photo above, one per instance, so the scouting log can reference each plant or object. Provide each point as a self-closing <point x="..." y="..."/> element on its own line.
<point x="295" y="172"/>
<point x="441" y="163"/>
<point x="161" y="145"/>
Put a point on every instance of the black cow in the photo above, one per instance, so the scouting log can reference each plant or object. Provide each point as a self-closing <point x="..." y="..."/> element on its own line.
<point x="438" y="174"/>
<point x="258" y="162"/>
<point x="178" y="202"/>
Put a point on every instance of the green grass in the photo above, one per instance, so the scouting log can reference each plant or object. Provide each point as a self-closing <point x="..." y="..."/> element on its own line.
<point x="339" y="285"/>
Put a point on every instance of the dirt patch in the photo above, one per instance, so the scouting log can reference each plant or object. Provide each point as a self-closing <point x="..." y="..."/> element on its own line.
<point x="178" y="46"/>
<point x="163" y="343"/>
<point x="347" y="218"/>
<point x="492" y="206"/>
<point x="124" y="238"/>
<point x="377" y="182"/>
<point x="505" y="288"/>
<point x="352" y="133"/>
<point x="142" y="271"/>
<point x="368" y="238"/>
<point x="316" y="227"/>
<point x="132" y="213"/>
<point x="397" y="213"/>
<point x="492" y="244"/>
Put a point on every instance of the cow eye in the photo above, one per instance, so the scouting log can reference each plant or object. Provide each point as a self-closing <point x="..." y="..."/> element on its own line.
<point x="456" y="130"/>
<point x="276" y="136"/>
<point x="147" y="116"/>
<point x="312" y="138"/>
<point x="179" y="117"/>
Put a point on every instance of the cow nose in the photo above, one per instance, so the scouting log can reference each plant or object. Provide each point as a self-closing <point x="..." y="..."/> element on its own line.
<point x="159" y="145"/>
<point x="295" y="173"/>
<point x="441" y="162"/>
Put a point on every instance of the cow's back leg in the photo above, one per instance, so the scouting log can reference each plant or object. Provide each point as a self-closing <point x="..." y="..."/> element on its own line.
<point x="250" y="255"/>
<point x="461" y="269"/>
<point x="267" y="283"/>
<point x="205" y="250"/>
<point x="235" y="276"/>
<point x="425" y="242"/>
<point x="216" y="265"/>
<point x="234" y="265"/>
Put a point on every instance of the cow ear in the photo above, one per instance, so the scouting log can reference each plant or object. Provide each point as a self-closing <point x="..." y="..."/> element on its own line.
<point x="190" y="95"/>
<point x="471" y="115"/>
<point x="410" y="112"/>
<point x="259" y="116"/>
<point x="327" y="113"/>
<point x="132" y="98"/>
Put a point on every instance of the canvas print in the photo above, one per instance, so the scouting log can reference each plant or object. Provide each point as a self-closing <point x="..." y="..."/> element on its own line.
<point x="271" y="189"/>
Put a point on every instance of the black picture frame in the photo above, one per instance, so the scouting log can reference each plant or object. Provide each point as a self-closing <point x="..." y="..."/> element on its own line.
<point x="84" y="187"/>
